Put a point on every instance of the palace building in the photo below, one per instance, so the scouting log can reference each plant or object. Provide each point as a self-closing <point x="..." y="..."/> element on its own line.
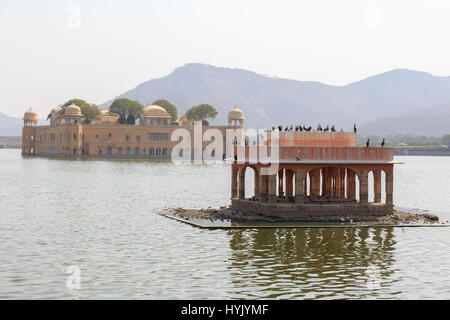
<point x="150" y="137"/>
<point x="318" y="174"/>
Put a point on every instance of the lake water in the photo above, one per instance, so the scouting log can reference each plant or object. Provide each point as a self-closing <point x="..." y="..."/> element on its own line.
<point x="100" y="216"/>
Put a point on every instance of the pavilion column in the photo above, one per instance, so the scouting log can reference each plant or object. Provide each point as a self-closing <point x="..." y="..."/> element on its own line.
<point x="280" y="182"/>
<point x="363" y="188"/>
<point x="264" y="182"/>
<point x="389" y="186"/>
<point x="351" y="184"/>
<point x="338" y="183"/>
<point x="315" y="182"/>
<point x="289" y="184"/>
<point x="377" y="185"/>
<point x="242" y="183"/>
<point x="342" y="182"/>
<point x="234" y="182"/>
<point x="329" y="182"/>
<point x="299" y="186"/>
<point x="272" y="181"/>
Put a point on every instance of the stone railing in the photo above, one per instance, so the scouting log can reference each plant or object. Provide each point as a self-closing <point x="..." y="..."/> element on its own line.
<point x="296" y="154"/>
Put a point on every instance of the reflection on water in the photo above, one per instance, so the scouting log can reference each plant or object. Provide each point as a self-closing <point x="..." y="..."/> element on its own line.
<point x="101" y="216"/>
<point x="311" y="263"/>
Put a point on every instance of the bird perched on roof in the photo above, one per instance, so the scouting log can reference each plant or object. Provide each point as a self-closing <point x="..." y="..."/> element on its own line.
<point x="354" y="128"/>
<point x="382" y="143"/>
<point x="327" y="128"/>
<point x="333" y="128"/>
<point x="368" y="143"/>
<point x="319" y="127"/>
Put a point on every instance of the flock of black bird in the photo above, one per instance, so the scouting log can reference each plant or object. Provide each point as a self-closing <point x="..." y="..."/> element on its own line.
<point x="305" y="128"/>
<point x="319" y="128"/>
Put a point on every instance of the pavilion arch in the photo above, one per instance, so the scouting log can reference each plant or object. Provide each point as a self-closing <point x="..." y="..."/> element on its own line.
<point x="377" y="186"/>
<point x="239" y="183"/>
<point x="336" y="182"/>
<point x="312" y="183"/>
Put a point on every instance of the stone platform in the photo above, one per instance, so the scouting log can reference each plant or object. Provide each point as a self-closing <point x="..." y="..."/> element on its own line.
<point x="311" y="210"/>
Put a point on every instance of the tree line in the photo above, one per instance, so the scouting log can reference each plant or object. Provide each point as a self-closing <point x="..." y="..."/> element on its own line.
<point x="128" y="110"/>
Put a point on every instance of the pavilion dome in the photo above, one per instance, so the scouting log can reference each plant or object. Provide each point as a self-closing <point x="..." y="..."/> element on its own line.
<point x="73" y="110"/>
<point x="236" y="114"/>
<point x="30" y="115"/>
<point x="155" y="111"/>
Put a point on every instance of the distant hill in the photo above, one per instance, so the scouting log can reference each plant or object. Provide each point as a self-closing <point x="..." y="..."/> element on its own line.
<point x="10" y="126"/>
<point x="269" y="101"/>
<point x="430" y="121"/>
<point x="386" y="102"/>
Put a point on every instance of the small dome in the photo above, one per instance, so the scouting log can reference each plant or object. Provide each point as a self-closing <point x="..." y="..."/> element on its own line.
<point x="155" y="111"/>
<point x="108" y="117"/>
<point x="30" y="115"/>
<point x="73" y="110"/>
<point x="57" y="109"/>
<point x="236" y="114"/>
<point x="55" y="112"/>
<point x="182" y="118"/>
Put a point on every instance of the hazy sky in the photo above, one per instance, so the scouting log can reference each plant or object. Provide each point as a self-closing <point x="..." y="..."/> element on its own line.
<point x="51" y="51"/>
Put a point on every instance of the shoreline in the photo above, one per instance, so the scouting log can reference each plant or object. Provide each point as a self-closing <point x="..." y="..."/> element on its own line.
<point x="226" y="213"/>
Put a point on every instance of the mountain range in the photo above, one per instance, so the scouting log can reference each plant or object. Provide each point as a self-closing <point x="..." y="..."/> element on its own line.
<point x="398" y="101"/>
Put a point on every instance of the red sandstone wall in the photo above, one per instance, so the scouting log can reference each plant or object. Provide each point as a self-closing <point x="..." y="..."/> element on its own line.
<point x="314" y="138"/>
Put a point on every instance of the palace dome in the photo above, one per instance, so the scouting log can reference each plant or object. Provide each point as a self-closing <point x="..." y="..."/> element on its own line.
<point x="108" y="117"/>
<point x="30" y="115"/>
<point x="73" y="110"/>
<point x="155" y="111"/>
<point x="183" y="118"/>
<point x="236" y="114"/>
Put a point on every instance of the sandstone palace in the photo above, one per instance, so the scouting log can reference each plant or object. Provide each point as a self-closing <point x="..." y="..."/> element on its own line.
<point x="68" y="136"/>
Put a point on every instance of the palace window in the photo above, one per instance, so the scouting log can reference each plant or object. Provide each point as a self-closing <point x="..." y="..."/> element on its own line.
<point x="127" y="138"/>
<point x="138" y="138"/>
<point x="74" y="137"/>
<point x="109" y="135"/>
<point x="159" y="136"/>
